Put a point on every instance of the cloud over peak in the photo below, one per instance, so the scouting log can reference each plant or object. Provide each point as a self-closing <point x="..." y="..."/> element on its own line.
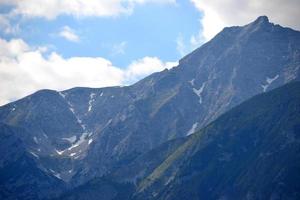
<point x="23" y="70"/>
<point x="219" y="14"/>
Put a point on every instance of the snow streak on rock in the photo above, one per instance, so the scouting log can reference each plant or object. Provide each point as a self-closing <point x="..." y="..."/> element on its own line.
<point x="269" y="82"/>
<point x="92" y="95"/>
<point x="199" y="92"/>
<point x="193" y="129"/>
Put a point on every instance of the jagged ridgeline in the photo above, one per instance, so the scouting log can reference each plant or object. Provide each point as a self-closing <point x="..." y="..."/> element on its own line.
<point x="70" y="137"/>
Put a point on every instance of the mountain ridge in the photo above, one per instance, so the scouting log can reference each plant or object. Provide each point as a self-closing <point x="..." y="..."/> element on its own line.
<point x="92" y="131"/>
<point x="200" y="165"/>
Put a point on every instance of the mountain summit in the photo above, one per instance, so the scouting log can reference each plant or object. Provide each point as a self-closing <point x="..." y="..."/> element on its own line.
<point x="81" y="133"/>
<point x="262" y="20"/>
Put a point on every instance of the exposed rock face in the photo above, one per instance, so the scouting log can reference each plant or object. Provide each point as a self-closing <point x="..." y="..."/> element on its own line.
<point x="90" y="132"/>
<point x="250" y="152"/>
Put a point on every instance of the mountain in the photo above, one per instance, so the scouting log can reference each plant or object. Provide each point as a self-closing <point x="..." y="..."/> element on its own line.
<point x="20" y="177"/>
<point x="250" y="152"/>
<point x="100" y="188"/>
<point x="82" y="133"/>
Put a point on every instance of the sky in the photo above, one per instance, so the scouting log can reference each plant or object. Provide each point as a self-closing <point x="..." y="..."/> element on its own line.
<point x="60" y="44"/>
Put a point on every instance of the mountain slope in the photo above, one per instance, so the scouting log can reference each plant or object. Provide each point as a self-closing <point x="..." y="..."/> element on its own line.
<point x="100" y="188"/>
<point x="20" y="178"/>
<point x="250" y="152"/>
<point x="82" y="133"/>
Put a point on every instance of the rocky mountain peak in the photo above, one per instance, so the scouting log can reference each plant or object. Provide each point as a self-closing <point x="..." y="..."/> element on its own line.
<point x="262" y="23"/>
<point x="262" y="20"/>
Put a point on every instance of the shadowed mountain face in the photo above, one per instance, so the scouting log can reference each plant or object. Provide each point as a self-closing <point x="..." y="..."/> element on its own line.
<point x="20" y="176"/>
<point x="250" y="152"/>
<point x="81" y="133"/>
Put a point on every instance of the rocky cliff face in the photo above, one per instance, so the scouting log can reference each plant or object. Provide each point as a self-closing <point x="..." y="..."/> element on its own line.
<point x="250" y="152"/>
<point x="90" y="132"/>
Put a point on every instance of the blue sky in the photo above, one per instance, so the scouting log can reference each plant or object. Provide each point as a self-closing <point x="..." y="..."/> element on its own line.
<point x="151" y="30"/>
<point x="60" y="44"/>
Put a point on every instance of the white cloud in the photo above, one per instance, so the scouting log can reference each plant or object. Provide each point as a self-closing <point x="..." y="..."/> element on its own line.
<point x="218" y="14"/>
<point x="145" y="66"/>
<point x="50" y="9"/>
<point x="69" y="34"/>
<point x="184" y="46"/>
<point x="181" y="46"/>
<point x="24" y="70"/>
<point x="119" y="49"/>
<point x="6" y="26"/>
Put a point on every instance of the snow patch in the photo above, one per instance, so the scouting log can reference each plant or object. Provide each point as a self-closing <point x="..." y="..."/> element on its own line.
<point x="76" y="157"/>
<point x="92" y="95"/>
<point x="59" y="152"/>
<point x="35" y="140"/>
<point x="109" y="121"/>
<point x="73" y="146"/>
<point x="72" y="154"/>
<point x="80" y="141"/>
<point x="62" y="95"/>
<point x="13" y="109"/>
<point x="193" y="129"/>
<point x="192" y="82"/>
<point x="101" y="94"/>
<point x="269" y="82"/>
<point x="265" y="87"/>
<point x="90" y="141"/>
<point x="169" y="180"/>
<point x="82" y="138"/>
<point x="57" y="175"/>
<point x="73" y="111"/>
<point x="71" y="139"/>
<point x="35" y="155"/>
<point x="199" y="92"/>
